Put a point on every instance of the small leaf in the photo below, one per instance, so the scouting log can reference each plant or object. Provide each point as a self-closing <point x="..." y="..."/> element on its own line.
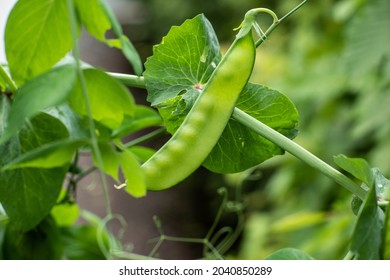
<point x="367" y="238"/>
<point x="110" y="159"/>
<point x="37" y="36"/>
<point x="358" y="167"/>
<point x="135" y="181"/>
<point x="144" y="117"/>
<point x="110" y="101"/>
<point x="93" y="18"/>
<point x="127" y="47"/>
<point x="47" y="90"/>
<point x="289" y="254"/>
<point x="142" y="153"/>
<point x="65" y="214"/>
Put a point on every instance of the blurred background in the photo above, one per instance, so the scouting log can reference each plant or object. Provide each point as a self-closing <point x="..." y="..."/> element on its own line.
<point x="331" y="58"/>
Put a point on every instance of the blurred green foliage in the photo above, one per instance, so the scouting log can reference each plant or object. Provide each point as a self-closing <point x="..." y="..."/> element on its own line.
<point x="332" y="59"/>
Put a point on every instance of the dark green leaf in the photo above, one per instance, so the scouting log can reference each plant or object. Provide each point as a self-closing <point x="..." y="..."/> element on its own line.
<point x="367" y="238"/>
<point x="47" y="90"/>
<point x="386" y="243"/>
<point x="110" y="101"/>
<point x="40" y="243"/>
<point x="239" y="148"/>
<point x="289" y="254"/>
<point x="37" y="36"/>
<point x="28" y="194"/>
<point x="80" y="243"/>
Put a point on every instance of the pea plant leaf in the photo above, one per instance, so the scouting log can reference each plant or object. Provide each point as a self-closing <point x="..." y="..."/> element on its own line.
<point x="93" y="18"/>
<point x="49" y="89"/>
<point x="289" y="254"/>
<point x="181" y="64"/>
<point x="368" y="235"/>
<point x="110" y="101"/>
<point x="36" y="37"/>
<point x="28" y="194"/>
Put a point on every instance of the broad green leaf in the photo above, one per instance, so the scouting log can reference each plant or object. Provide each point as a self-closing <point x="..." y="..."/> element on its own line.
<point x="40" y="243"/>
<point x="183" y="62"/>
<point x="125" y="44"/>
<point x="28" y="194"/>
<point x="37" y="36"/>
<point x="144" y="117"/>
<point x="367" y="238"/>
<point x="135" y="181"/>
<point x="239" y="147"/>
<point x="289" y="254"/>
<point x="47" y="90"/>
<point x="358" y="167"/>
<point x="93" y="18"/>
<point x="49" y="155"/>
<point x="109" y="100"/>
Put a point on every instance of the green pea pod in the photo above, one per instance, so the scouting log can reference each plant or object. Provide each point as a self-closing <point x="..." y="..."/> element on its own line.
<point x="201" y="129"/>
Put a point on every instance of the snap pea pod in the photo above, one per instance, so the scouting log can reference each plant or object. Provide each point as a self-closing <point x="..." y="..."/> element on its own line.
<point x="201" y="129"/>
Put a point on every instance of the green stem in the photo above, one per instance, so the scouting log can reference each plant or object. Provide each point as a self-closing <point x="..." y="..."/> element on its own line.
<point x="298" y="151"/>
<point x="129" y="80"/>
<point x="276" y="23"/>
<point x="145" y="138"/>
<point x="94" y="140"/>
<point x="12" y="86"/>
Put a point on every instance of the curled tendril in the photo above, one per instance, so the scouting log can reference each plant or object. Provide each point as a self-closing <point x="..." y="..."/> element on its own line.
<point x="250" y="21"/>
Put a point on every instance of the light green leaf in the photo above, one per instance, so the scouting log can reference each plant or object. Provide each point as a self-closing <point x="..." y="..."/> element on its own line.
<point x="111" y="161"/>
<point x="127" y="47"/>
<point x="65" y="214"/>
<point x="28" y="194"/>
<point x="142" y="153"/>
<point x="135" y="181"/>
<point x="289" y="254"/>
<point x="93" y="18"/>
<point x="54" y="154"/>
<point x="47" y="90"/>
<point x="37" y="36"/>
<point x="358" y="167"/>
<point x="110" y="101"/>
<point x="144" y="117"/>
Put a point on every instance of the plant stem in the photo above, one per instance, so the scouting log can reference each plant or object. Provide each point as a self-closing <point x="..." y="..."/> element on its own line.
<point x="297" y="151"/>
<point x="12" y="86"/>
<point x="145" y="138"/>
<point x="129" y="80"/>
<point x="94" y="140"/>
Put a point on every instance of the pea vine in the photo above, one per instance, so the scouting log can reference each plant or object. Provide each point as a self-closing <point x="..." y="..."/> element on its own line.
<point x="54" y="107"/>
